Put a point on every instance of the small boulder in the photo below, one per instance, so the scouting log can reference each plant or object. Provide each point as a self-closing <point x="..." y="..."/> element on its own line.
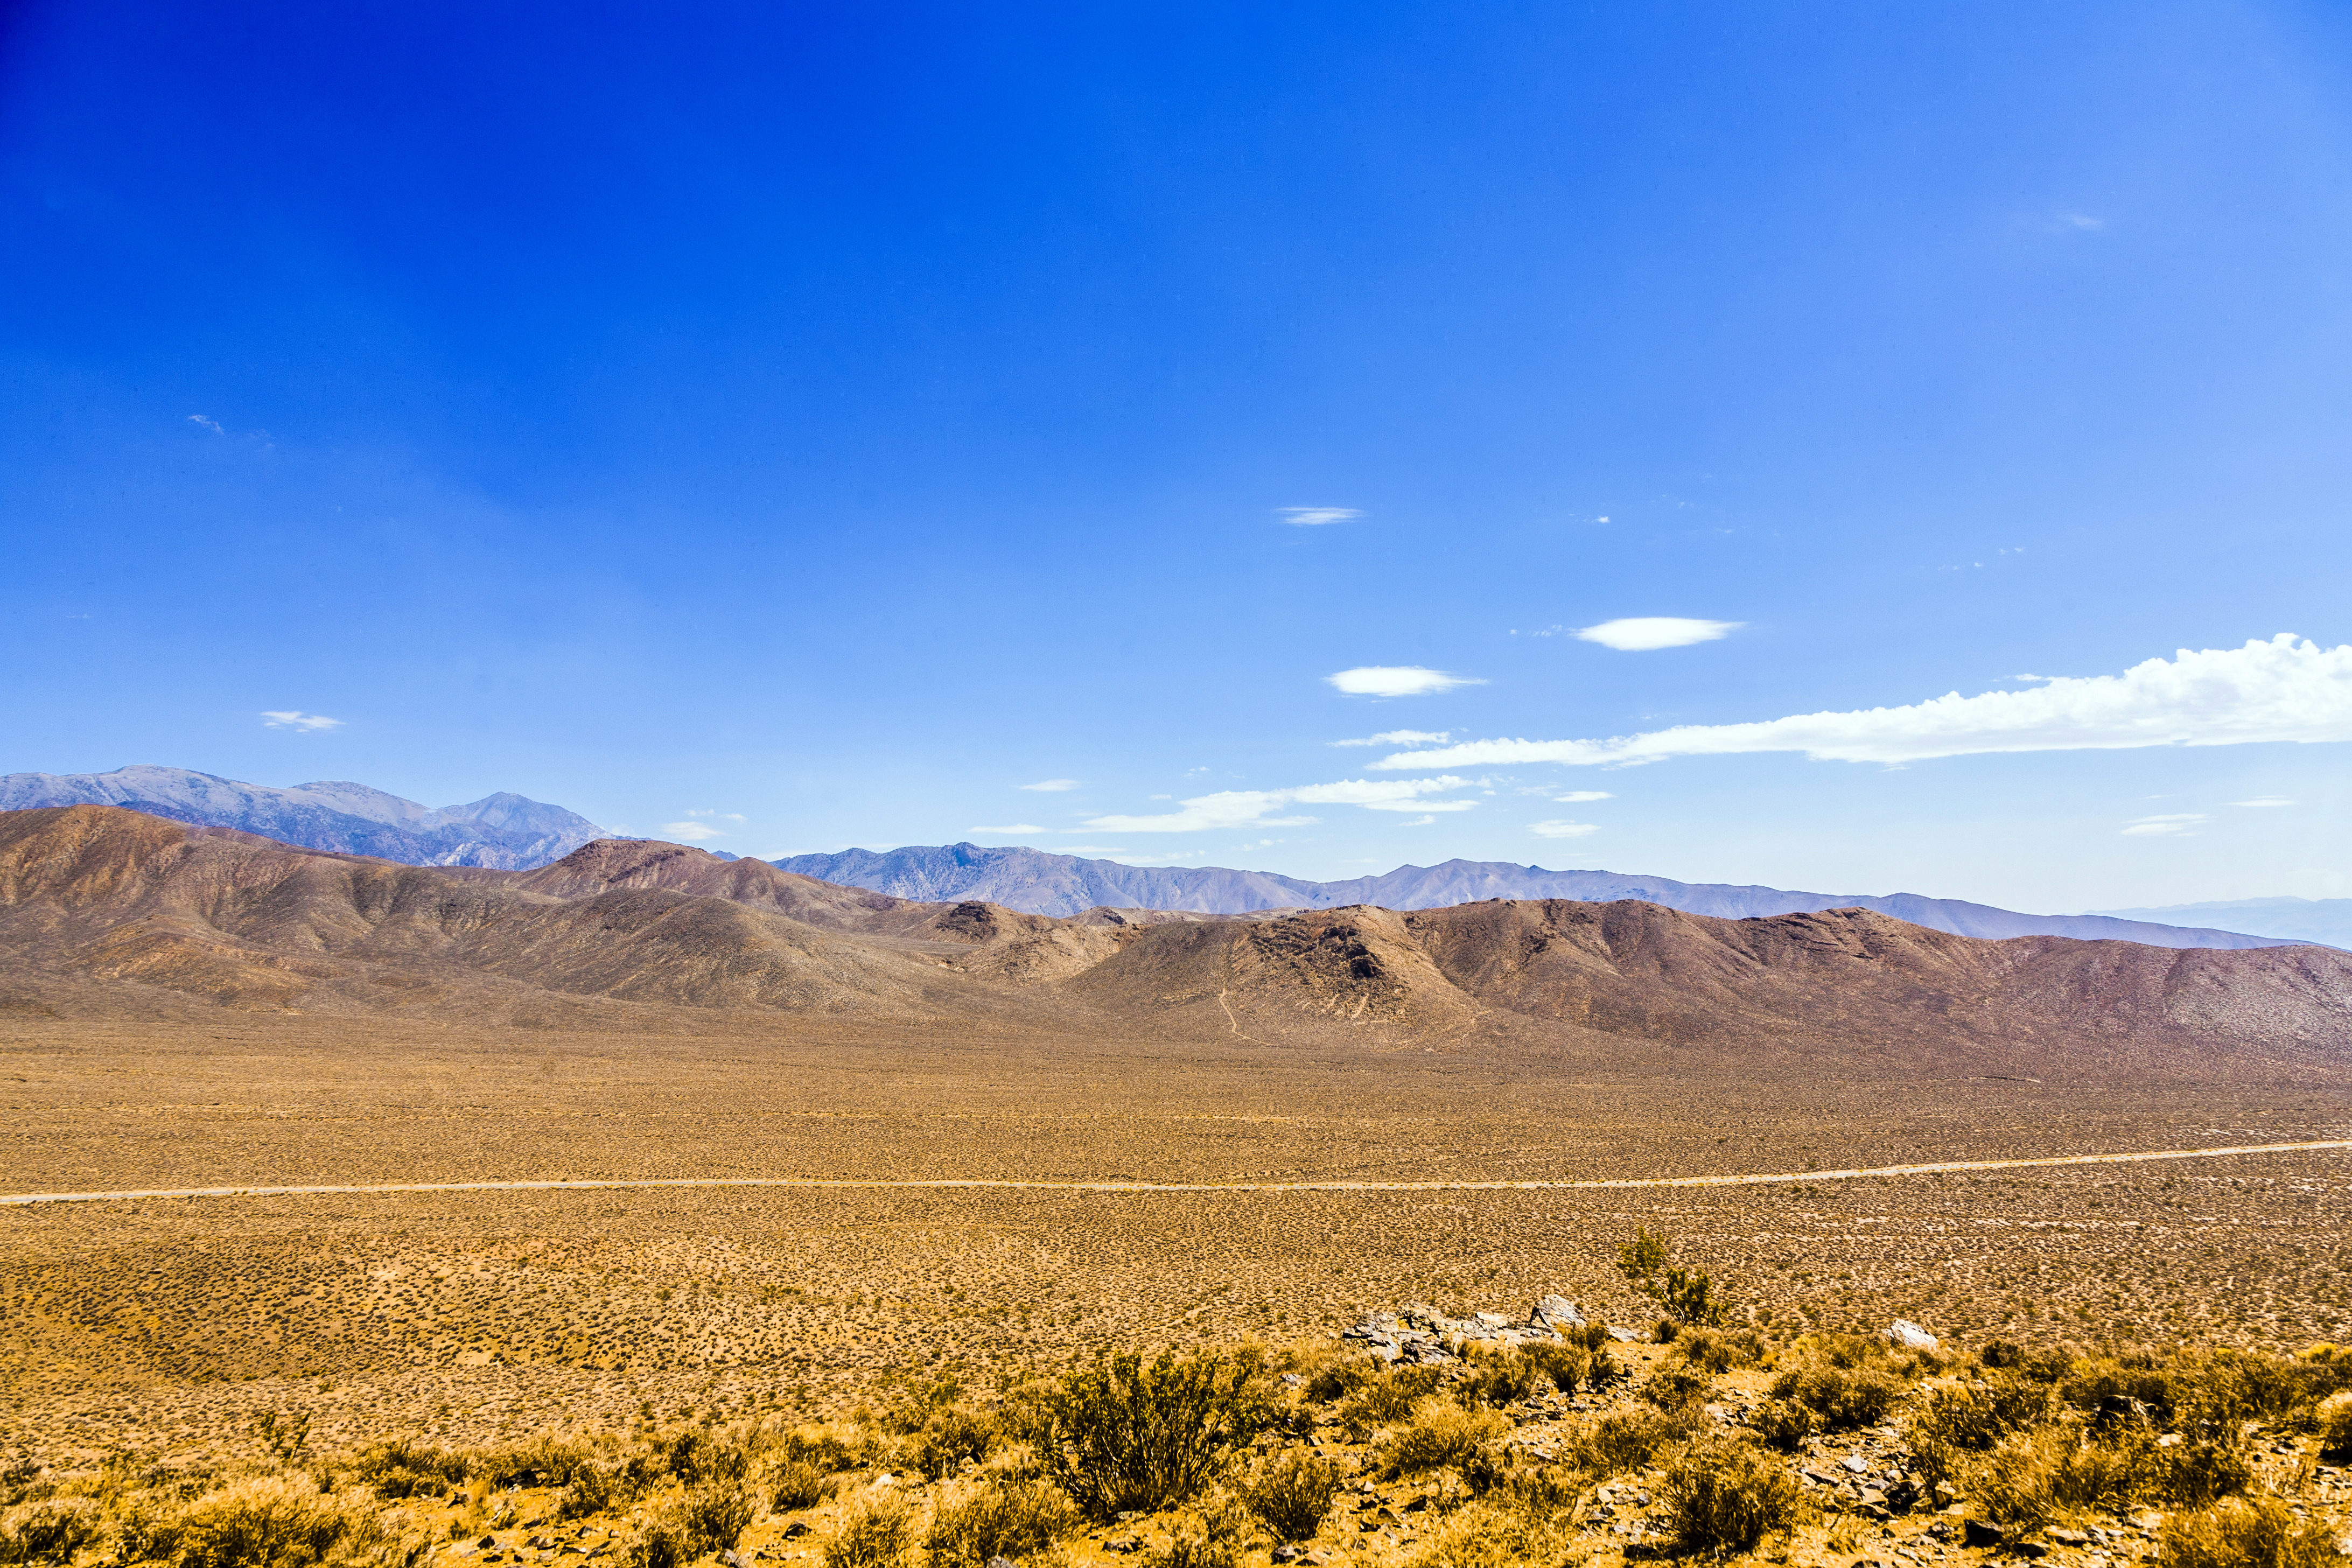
<point x="1979" y="1532"/>
<point x="1555" y="1312"/>
<point x="1906" y="1335"/>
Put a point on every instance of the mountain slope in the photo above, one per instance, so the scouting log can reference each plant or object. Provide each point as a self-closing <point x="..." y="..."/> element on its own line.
<point x="499" y="830"/>
<point x="1049" y="884"/>
<point x="109" y="913"/>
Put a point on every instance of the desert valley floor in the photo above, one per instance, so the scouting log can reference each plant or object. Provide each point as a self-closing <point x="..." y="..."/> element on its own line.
<point x="470" y="1313"/>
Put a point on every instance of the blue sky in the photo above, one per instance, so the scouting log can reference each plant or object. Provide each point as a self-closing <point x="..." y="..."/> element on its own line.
<point x="823" y="427"/>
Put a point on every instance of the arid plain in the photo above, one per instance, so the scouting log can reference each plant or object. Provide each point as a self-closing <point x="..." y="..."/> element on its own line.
<point x="162" y="1038"/>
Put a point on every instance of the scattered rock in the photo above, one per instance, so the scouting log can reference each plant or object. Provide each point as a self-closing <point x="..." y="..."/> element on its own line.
<point x="1553" y="1312"/>
<point x="1979" y="1532"/>
<point x="2067" y="1537"/>
<point x="793" y="1531"/>
<point x="1623" y="1336"/>
<point x="1855" y="1465"/>
<point x="1904" y="1334"/>
<point x="1285" y="1552"/>
<point x="1000" y="1563"/>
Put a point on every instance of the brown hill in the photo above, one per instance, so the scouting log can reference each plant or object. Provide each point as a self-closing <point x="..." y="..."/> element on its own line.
<point x="105" y="911"/>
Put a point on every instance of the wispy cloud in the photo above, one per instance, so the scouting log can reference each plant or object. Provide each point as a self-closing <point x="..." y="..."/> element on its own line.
<point x="1397" y="681"/>
<point x="1052" y="786"/>
<point x="1400" y="738"/>
<point x="1254" y="807"/>
<point x="1559" y="827"/>
<point x="1641" y="634"/>
<point x="1090" y="849"/>
<point x="211" y="425"/>
<point x="2264" y="800"/>
<point x="2171" y="825"/>
<point x="692" y="831"/>
<point x="721" y="816"/>
<point x="1418" y="822"/>
<point x="2080" y="220"/>
<point x="1316" y="516"/>
<point x="293" y="718"/>
<point x="2282" y="689"/>
<point x="1578" y="796"/>
<point x="1011" y="827"/>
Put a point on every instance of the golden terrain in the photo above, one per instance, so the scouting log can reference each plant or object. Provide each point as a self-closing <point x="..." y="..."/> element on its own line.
<point x="200" y="1331"/>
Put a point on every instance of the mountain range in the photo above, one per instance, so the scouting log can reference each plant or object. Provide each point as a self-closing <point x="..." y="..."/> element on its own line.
<point x="509" y="832"/>
<point x="111" y="914"/>
<point x="501" y="830"/>
<point x="1039" y="882"/>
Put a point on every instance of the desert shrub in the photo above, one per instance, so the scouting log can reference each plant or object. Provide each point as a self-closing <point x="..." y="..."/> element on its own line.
<point x="2198" y="1473"/>
<point x="2242" y="1533"/>
<point x="398" y="1468"/>
<point x="1501" y="1378"/>
<point x="656" y="1545"/>
<point x="1689" y="1297"/>
<point x="1785" y="1423"/>
<point x="1728" y="1495"/>
<point x="2335" y="1423"/>
<point x="2029" y="1480"/>
<point x="952" y="1438"/>
<point x="795" y="1484"/>
<point x="874" y="1536"/>
<point x="1010" y="1518"/>
<point x="1337" y="1379"/>
<point x="1840" y="1396"/>
<point x="542" y="1461"/>
<point x="917" y="1403"/>
<point x="713" y="1516"/>
<point x="1125" y="1434"/>
<point x="1677" y="1389"/>
<point x="1955" y="1422"/>
<point x="592" y="1490"/>
<point x="1626" y="1441"/>
<point x="1291" y="1494"/>
<point x="1386" y="1399"/>
<point x="698" y="1459"/>
<point x="1496" y="1533"/>
<point x="49" y="1531"/>
<point x="818" y="1448"/>
<point x="1712" y="1350"/>
<point x="1440" y="1434"/>
<point x="274" y="1522"/>
<point x="1569" y="1367"/>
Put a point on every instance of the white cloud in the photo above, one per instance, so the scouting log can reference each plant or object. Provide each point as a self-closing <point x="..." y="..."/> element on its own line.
<point x="692" y="832"/>
<point x="2282" y="689"/>
<point x="1578" y="796"/>
<point x="1052" y="786"/>
<point x="1316" y="516"/>
<point x="2264" y="800"/>
<point x="1641" y="634"/>
<point x="211" y="425"/>
<point x="2170" y="825"/>
<point x="1418" y="822"/>
<point x="293" y="718"/>
<point x="1091" y="849"/>
<point x="1400" y="738"/>
<point x="1397" y="681"/>
<point x="1013" y="827"/>
<point x="2081" y="220"/>
<point x="1561" y="828"/>
<point x="1251" y="807"/>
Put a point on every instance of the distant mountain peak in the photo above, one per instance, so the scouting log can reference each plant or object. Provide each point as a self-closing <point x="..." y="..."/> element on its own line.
<point x="505" y="831"/>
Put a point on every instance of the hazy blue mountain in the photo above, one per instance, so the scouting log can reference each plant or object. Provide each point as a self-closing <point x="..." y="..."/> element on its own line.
<point x="505" y="831"/>
<point x="2324" y="920"/>
<point x="1044" y="883"/>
